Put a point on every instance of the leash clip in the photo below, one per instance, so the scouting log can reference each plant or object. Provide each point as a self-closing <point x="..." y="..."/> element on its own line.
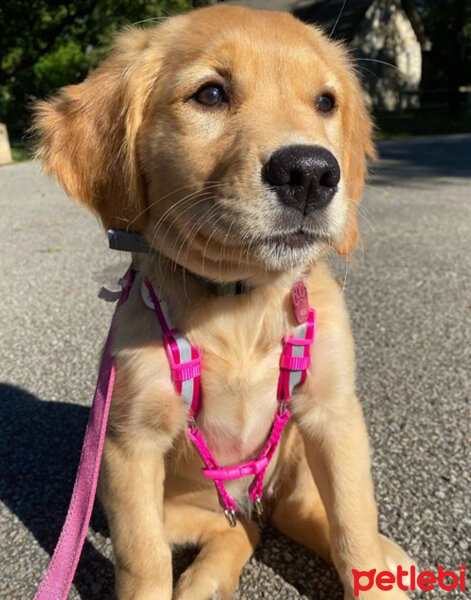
<point x="231" y="516"/>
<point x="259" y="507"/>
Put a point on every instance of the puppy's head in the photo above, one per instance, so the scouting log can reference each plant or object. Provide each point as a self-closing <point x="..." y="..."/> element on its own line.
<point x="235" y="139"/>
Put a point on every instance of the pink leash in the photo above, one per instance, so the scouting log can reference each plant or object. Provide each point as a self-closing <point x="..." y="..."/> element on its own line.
<point x="57" y="580"/>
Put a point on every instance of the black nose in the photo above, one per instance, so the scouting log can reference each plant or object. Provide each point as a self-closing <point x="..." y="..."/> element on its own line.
<point x="304" y="177"/>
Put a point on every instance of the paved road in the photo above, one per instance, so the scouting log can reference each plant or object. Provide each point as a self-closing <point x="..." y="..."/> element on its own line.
<point x="409" y="292"/>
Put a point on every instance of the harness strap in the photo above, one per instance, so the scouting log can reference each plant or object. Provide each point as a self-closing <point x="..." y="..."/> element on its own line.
<point x="185" y="366"/>
<point x="57" y="580"/>
<point x="295" y="359"/>
<point x="183" y="357"/>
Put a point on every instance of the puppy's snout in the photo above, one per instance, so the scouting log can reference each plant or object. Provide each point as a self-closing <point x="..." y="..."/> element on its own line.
<point x="304" y="177"/>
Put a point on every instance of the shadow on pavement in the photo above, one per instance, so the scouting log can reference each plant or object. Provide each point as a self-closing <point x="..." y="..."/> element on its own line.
<point x="40" y="445"/>
<point x="309" y="574"/>
<point x="433" y="157"/>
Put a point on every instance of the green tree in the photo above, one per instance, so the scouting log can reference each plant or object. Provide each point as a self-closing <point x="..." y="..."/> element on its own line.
<point x="448" y="64"/>
<point x="45" y="44"/>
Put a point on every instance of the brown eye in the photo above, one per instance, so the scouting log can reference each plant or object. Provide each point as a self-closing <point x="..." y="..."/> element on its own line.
<point x="210" y="95"/>
<point x="325" y="103"/>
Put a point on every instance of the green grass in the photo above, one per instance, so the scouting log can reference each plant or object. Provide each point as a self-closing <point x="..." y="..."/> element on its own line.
<point x="421" y="122"/>
<point x="20" y="152"/>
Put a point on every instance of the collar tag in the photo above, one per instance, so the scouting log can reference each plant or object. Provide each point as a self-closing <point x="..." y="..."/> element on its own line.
<point x="300" y="301"/>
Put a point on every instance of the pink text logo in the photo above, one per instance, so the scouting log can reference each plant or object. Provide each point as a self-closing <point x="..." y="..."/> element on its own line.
<point x="409" y="580"/>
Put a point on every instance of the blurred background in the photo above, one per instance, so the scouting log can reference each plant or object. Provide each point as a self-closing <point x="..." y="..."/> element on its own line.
<point x="414" y="56"/>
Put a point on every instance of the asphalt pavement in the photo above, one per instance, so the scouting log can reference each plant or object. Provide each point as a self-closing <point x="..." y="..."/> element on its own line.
<point x="409" y="294"/>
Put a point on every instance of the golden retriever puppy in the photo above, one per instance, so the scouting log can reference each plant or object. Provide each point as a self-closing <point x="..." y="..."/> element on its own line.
<point x="235" y="141"/>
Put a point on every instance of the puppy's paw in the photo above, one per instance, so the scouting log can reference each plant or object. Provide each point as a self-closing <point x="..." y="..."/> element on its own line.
<point x="191" y="594"/>
<point x="190" y="587"/>
<point x="395" y="556"/>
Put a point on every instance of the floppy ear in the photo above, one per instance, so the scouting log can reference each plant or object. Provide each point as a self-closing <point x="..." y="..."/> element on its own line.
<point x="358" y="146"/>
<point x="88" y="133"/>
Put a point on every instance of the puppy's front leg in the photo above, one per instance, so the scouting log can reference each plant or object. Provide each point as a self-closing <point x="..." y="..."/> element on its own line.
<point x="131" y="490"/>
<point x="337" y="450"/>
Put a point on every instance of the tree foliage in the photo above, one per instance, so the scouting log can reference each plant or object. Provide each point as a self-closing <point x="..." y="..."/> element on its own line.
<point x="448" y="26"/>
<point x="45" y="44"/>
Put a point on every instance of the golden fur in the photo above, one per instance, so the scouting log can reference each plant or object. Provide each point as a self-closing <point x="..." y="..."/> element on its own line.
<point x="132" y="144"/>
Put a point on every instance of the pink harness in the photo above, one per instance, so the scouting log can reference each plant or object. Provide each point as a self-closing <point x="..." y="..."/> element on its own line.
<point x="185" y="365"/>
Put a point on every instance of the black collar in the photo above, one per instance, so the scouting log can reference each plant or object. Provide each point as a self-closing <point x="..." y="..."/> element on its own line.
<point x="130" y="241"/>
<point x="234" y="288"/>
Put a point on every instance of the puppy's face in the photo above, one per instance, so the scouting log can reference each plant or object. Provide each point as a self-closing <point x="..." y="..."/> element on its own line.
<point x="235" y="139"/>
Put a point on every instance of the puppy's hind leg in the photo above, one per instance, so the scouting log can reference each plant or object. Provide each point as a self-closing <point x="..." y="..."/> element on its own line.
<point x="223" y="551"/>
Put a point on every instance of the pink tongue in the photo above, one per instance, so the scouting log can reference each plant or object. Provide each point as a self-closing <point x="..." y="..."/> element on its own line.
<point x="300" y="301"/>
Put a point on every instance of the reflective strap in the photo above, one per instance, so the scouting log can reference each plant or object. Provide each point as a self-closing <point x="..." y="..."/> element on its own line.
<point x="187" y="387"/>
<point x="298" y="351"/>
<point x="295" y="358"/>
<point x="179" y="350"/>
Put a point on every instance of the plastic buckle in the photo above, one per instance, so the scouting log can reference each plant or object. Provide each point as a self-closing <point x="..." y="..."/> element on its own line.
<point x="248" y="469"/>
<point x="182" y="371"/>
<point x="253" y="467"/>
<point x="295" y="363"/>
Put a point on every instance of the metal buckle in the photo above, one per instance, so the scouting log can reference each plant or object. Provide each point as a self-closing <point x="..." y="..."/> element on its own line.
<point x="259" y="507"/>
<point x="231" y="517"/>
<point x="191" y="422"/>
<point x="282" y="408"/>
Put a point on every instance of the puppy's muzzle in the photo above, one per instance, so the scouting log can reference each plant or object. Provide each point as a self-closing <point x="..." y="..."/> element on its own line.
<point x="304" y="177"/>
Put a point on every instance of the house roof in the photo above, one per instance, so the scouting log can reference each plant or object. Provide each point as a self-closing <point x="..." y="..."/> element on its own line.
<point x="319" y="12"/>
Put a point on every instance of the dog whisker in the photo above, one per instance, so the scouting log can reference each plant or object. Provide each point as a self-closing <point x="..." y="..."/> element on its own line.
<point x="201" y="199"/>
<point x="212" y="184"/>
<point x="208" y="241"/>
<point x="338" y="19"/>
<point x="198" y="221"/>
<point x="189" y="198"/>
<point x="381" y="62"/>
<point x="207" y="216"/>
<point x="223" y="247"/>
<point x="150" y="20"/>
<point x="367" y="215"/>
